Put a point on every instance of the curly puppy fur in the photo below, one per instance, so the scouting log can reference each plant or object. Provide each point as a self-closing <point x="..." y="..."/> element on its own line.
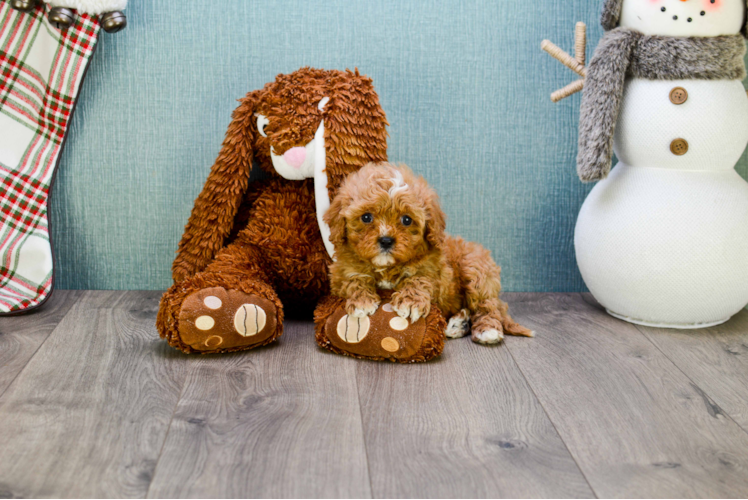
<point x="389" y="233"/>
<point x="262" y="236"/>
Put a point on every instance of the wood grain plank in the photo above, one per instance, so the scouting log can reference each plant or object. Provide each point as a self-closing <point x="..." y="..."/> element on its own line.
<point x="635" y="424"/>
<point x="466" y="425"/>
<point x="279" y="421"/>
<point x="21" y="336"/>
<point x="715" y="359"/>
<point x="88" y="415"/>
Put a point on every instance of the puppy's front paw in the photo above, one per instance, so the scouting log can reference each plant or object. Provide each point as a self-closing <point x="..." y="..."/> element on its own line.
<point x="459" y="325"/>
<point x="411" y="306"/>
<point x="362" y="307"/>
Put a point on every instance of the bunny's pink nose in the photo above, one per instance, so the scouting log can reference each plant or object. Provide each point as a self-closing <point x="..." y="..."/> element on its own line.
<point x="295" y="156"/>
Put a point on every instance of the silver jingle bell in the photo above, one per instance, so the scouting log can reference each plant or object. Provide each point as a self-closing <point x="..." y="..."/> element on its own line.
<point x="24" y="5"/>
<point x="112" y="22"/>
<point x="61" y="18"/>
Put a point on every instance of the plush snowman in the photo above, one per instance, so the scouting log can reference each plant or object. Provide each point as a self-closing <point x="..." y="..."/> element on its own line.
<point x="663" y="239"/>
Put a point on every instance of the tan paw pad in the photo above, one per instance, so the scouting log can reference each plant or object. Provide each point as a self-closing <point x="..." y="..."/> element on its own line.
<point x="249" y="319"/>
<point x="212" y="302"/>
<point x="390" y="345"/>
<point x="205" y="323"/>
<point x="399" y="324"/>
<point x="213" y="342"/>
<point x="353" y="330"/>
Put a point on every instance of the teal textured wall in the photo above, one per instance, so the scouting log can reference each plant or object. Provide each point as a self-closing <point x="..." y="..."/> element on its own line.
<point x="464" y="84"/>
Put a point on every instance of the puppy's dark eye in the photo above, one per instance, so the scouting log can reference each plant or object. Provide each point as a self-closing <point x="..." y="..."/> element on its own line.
<point x="367" y="218"/>
<point x="407" y="221"/>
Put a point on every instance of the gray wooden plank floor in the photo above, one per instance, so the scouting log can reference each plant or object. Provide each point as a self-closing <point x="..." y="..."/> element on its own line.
<point x="466" y="425"/>
<point x="636" y="425"/>
<point x="282" y="421"/>
<point x="94" y="404"/>
<point x="88" y="414"/>
<point x="20" y="338"/>
<point x="715" y="359"/>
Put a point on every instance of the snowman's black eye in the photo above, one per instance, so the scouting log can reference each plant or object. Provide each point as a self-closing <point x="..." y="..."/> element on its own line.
<point x="407" y="221"/>
<point x="663" y="9"/>
<point x="367" y="218"/>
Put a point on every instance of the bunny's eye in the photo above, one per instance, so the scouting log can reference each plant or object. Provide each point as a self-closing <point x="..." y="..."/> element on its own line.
<point x="407" y="221"/>
<point x="367" y="218"/>
<point x="262" y="122"/>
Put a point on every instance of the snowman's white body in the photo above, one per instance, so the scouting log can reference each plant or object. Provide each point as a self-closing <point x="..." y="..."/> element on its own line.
<point x="664" y="239"/>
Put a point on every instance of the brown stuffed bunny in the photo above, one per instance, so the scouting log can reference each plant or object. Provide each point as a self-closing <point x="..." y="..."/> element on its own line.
<point x="250" y="247"/>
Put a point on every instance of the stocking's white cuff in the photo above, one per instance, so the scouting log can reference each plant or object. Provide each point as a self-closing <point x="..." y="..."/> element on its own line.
<point x="94" y="7"/>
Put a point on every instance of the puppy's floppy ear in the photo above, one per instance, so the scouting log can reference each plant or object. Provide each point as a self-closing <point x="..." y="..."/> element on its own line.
<point x="215" y="209"/>
<point x="335" y="219"/>
<point x="436" y="221"/>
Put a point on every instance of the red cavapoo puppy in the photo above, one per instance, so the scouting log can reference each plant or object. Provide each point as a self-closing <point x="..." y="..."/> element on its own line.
<point x="388" y="232"/>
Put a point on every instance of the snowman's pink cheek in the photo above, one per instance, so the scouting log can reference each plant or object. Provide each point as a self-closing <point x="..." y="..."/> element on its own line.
<point x="712" y="5"/>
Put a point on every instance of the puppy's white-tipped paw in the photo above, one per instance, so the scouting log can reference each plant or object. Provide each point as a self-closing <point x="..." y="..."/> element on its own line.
<point x="488" y="337"/>
<point x="457" y="327"/>
<point x="358" y="313"/>
<point x="417" y="313"/>
<point x="412" y="310"/>
<point x="359" y="310"/>
<point x="402" y="310"/>
<point x="362" y="313"/>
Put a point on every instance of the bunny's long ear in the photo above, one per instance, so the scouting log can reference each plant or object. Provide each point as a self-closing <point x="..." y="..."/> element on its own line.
<point x="355" y="127"/>
<point x="212" y="217"/>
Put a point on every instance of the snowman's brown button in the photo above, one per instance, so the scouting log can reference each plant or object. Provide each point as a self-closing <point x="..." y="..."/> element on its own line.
<point x="678" y="95"/>
<point x="679" y="147"/>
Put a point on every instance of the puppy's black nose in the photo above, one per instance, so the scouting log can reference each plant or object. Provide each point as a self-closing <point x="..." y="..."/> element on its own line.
<point x="386" y="242"/>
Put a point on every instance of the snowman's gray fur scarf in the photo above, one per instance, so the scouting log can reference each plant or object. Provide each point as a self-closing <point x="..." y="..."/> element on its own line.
<point x="611" y="14"/>
<point x="627" y="53"/>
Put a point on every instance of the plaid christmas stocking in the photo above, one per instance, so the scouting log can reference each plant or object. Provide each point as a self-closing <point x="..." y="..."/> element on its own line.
<point x="41" y="71"/>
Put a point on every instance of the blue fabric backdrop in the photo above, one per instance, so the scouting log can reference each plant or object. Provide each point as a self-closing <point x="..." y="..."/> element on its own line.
<point x="464" y="84"/>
